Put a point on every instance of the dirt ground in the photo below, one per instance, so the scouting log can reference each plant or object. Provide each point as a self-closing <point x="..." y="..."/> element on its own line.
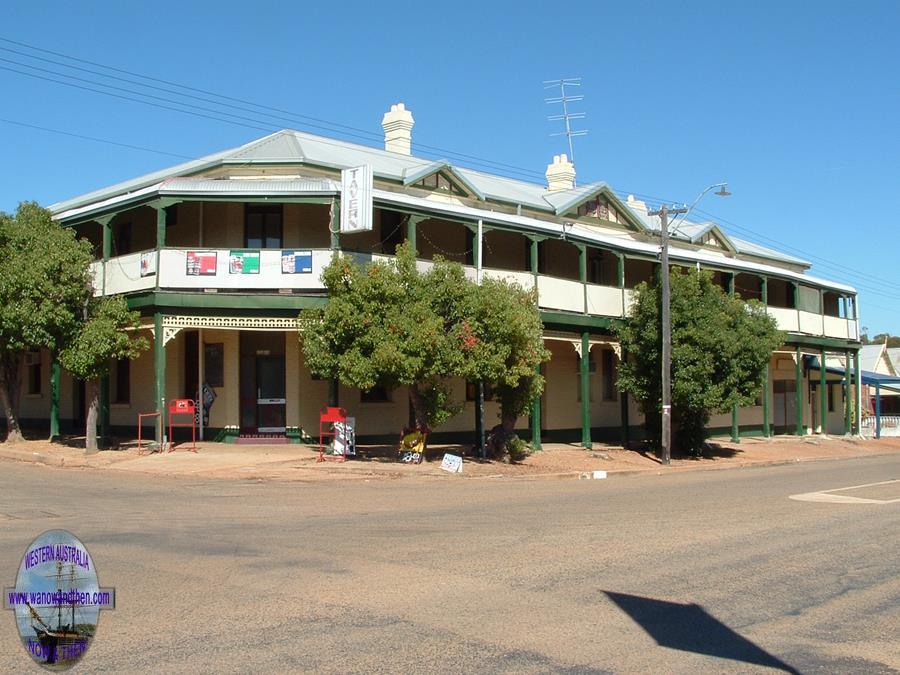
<point x="556" y="460"/>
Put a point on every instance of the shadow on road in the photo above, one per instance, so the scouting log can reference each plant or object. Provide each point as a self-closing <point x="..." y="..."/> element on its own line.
<point x="690" y="628"/>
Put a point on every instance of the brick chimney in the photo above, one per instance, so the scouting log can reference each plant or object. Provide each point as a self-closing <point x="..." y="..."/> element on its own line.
<point x="560" y="174"/>
<point x="397" y="124"/>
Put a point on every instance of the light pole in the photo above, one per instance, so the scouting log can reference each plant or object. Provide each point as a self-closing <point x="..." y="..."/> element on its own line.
<point x="664" y="212"/>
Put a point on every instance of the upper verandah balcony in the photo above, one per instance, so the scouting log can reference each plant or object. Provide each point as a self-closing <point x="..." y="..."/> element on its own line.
<point x="259" y="246"/>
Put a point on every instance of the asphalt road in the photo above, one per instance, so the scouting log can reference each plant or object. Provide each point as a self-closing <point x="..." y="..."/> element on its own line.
<point x="714" y="571"/>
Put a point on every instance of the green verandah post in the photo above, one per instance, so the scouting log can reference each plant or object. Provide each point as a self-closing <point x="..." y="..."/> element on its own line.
<point x="585" y="391"/>
<point x="823" y="395"/>
<point x="799" y="392"/>
<point x="536" y="419"/>
<point x="735" y="429"/>
<point x="848" y="428"/>
<point x="159" y="367"/>
<point x="55" y="374"/>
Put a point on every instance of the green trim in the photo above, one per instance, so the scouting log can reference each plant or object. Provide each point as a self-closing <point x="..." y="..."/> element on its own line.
<point x="334" y="228"/>
<point x="576" y="320"/>
<point x="411" y="223"/>
<point x="814" y="341"/>
<point x="215" y="301"/>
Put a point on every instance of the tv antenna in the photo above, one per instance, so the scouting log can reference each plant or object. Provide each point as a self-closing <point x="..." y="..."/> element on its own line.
<point x="566" y="116"/>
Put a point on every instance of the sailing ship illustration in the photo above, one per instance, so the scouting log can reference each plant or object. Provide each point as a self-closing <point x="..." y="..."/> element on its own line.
<point x="65" y="642"/>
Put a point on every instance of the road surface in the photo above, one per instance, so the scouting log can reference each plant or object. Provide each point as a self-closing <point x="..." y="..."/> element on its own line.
<point x="708" y="571"/>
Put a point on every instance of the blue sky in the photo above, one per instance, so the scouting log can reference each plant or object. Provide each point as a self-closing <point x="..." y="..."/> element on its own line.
<point x="795" y="104"/>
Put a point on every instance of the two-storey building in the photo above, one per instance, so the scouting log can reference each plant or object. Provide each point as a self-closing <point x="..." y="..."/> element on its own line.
<point x="220" y="254"/>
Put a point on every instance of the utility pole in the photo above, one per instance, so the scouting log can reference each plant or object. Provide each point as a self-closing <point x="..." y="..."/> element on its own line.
<point x="663" y="213"/>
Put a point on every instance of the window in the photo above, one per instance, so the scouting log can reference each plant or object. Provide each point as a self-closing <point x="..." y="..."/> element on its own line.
<point x="214" y="364"/>
<point x="377" y="394"/>
<point x="33" y="362"/>
<point x="122" y="391"/>
<point x="470" y="392"/>
<point x="439" y="182"/>
<point x="598" y="208"/>
<point x="263" y="226"/>
<point x="610" y="375"/>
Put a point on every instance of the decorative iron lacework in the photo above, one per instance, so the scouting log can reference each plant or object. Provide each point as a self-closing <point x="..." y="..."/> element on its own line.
<point x="172" y="325"/>
<point x="592" y="341"/>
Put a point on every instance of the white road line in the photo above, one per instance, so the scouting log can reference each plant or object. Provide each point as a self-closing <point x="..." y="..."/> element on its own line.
<point x="827" y="496"/>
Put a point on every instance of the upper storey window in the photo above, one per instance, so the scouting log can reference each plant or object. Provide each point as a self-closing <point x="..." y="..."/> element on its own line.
<point x="598" y="208"/>
<point x="438" y="182"/>
<point x="263" y="226"/>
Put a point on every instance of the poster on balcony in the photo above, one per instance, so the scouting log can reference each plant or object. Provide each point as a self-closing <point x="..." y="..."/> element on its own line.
<point x="148" y="263"/>
<point x="296" y="262"/>
<point x="243" y="262"/>
<point x="201" y="263"/>
<point x="356" y="199"/>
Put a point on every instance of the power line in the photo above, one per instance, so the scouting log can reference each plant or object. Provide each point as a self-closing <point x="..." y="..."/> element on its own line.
<point x="255" y="124"/>
<point x="93" y="138"/>
<point x="294" y="115"/>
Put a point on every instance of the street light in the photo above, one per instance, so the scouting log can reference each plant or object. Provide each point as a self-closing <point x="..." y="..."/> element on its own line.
<point x="663" y="213"/>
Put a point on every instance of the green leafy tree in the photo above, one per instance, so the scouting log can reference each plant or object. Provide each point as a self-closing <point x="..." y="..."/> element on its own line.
<point x="390" y="325"/>
<point x="44" y="283"/>
<point x="503" y="343"/>
<point x="720" y="348"/>
<point x="107" y="334"/>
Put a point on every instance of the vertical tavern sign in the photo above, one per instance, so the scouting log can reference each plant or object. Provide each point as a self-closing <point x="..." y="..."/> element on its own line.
<point x="356" y="199"/>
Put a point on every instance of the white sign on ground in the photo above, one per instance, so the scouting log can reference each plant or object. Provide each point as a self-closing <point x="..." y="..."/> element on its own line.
<point x="452" y="463"/>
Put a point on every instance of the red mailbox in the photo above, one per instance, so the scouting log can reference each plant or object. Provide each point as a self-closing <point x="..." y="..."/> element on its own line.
<point x="182" y="407"/>
<point x="327" y="417"/>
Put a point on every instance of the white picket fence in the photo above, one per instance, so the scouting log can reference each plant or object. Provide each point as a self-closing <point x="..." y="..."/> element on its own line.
<point x="890" y="426"/>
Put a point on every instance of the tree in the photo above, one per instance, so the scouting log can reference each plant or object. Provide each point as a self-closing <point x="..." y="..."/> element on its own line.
<point x="104" y="337"/>
<point x="720" y="348"/>
<point x="44" y="283"/>
<point x="392" y="325"/>
<point x="504" y="347"/>
<point x="388" y="324"/>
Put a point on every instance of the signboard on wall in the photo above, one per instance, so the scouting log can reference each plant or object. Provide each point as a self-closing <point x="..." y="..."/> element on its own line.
<point x="201" y="263"/>
<point x="356" y="199"/>
<point x="296" y="262"/>
<point x="243" y="262"/>
<point x="148" y="263"/>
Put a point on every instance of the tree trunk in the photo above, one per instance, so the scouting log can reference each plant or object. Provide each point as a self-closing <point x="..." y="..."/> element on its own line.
<point x="420" y="410"/>
<point x="90" y="434"/>
<point x="9" y="394"/>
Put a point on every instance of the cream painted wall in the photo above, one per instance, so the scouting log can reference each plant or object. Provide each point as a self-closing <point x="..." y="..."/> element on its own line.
<point x="561" y="409"/>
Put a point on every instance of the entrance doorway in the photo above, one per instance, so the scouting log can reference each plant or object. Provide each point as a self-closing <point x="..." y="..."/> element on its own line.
<point x="785" y="404"/>
<point x="262" y="386"/>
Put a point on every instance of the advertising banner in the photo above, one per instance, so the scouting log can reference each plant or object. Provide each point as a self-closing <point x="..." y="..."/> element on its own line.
<point x="296" y="262"/>
<point x="201" y="263"/>
<point x="243" y="262"/>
